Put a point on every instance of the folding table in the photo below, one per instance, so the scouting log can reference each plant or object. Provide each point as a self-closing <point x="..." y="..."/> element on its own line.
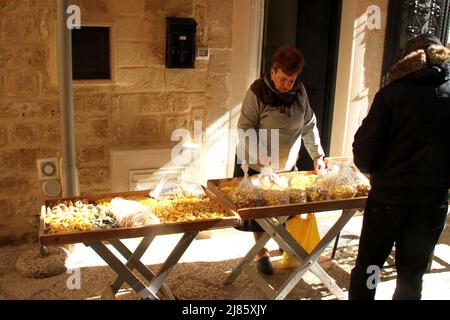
<point x="126" y="272"/>
<point x="271" y="219"/>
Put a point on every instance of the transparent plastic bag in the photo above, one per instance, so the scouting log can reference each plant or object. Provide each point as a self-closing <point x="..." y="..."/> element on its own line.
<point x="246" y="194"/>
<point x="170" y="190"/>
<point x="298" y="183"/>
<point x="131" y="213"/>
<point x="318" y="191"/>
<point x="343" y="185"/>
<point x="362" y="184"/>
<point x="274" y="188"/>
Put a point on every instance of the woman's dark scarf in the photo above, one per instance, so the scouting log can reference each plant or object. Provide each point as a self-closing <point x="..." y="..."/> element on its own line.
<point x="265" y="91"/>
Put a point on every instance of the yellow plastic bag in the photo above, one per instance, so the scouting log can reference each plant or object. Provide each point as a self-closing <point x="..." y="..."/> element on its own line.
<point x="306" y="232"/>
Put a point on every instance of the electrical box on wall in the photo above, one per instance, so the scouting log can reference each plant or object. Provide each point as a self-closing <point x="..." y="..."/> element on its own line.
<point x="180" y="42"/>
<point x="49" y="173"/>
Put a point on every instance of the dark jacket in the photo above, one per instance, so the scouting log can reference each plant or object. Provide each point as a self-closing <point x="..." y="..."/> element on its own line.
<point x="404" y="143"/>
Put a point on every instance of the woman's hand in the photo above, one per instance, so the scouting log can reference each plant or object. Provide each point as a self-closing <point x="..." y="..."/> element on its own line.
<point x="319" y="164"/>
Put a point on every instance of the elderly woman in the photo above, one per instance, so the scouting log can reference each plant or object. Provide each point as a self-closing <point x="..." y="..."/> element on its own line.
<point x="278" y="101"/>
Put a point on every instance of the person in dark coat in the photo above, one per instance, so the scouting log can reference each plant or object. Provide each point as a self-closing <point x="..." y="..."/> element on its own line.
<point x="404" y="145"/>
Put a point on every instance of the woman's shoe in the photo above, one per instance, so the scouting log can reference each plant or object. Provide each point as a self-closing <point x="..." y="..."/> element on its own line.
<point x="264" y="266"/>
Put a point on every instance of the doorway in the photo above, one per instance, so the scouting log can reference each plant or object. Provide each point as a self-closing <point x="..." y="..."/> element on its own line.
<point x="313" y="27"/>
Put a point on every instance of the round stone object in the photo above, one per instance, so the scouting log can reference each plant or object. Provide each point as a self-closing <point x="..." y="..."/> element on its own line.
<point x="32" y="264"/>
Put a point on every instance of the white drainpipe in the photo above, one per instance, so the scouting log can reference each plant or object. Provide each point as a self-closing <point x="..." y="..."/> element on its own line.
<point x="70" y="175"/>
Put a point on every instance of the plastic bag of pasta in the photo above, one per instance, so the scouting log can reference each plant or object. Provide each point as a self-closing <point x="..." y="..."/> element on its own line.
<point x="131" y="213"/>
<point x="362" y="184"/>
<point x="343" y="185"/>
<point x="246" y="194"/>
<point x="274" y="188"/>
<point x="319" y="189"/>
<point x="170" y="190"/>
<point x="299" y="182"/>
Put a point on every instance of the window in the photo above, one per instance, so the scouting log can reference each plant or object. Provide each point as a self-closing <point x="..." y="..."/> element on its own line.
<point x="91" y="54"/>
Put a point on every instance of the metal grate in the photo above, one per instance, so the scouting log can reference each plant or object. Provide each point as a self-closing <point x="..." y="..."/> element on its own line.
<point x="426" y="16"/>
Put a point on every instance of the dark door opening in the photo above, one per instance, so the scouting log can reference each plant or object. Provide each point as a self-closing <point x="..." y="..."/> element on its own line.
<point x="312" y="26"/>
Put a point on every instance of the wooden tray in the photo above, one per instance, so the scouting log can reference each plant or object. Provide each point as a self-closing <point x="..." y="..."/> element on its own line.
<point x="283" y="210"/>
<point x="124" y="233"/>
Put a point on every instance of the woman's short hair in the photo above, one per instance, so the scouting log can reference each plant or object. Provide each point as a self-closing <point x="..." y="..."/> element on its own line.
<point x="289" y="59"/>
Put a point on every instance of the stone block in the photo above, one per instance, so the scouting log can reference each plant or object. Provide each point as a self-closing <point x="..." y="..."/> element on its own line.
<point x="91" y="154"/>
<point x="220" y="61"/>
<point x="26" y="133"/>
<point x="121" y="8"/>
<point x="140" y="79"/>
<point x="93" y="7"/>
<point x="118" y="136"/>
<point x="148" y="129"/>
<point x="124" y="117"/>
<point x="154" y="7"/>
<point x="30" y="110"/>
<point x="21" y="84"/>
<point x="52" y="132"/>
<point x="198" y="100"/>
<point x="179" y="102"/>
<point x="186" y="79"/>
<point x="50" y="4"/>
<point x="20" y="28"/>
<point x="25" y="158"/>
<point x="94" y="176"/>
<point x="16" y="57"/>
<point x="200" y="15"/>
<point x="23" y="109"/>
<point x="6" y="208"/>
<point x="9" y="5"/>
<point x="3" y="135"/>
<point x="50" y="109"/>
<point x="100" y="127"/>
<point x="13" y="183"/>
<point x="179" y="8"/>
<point x="218" y="91"/>
<point x="29" y="205"/>
<point x="220" y="23"/>
<point x="134" y="28"/>
<point x="33" y="133"/>
<point x="173" y="123"/>
<point x="154" y="103"/>
<point x="132" y="54"/>
<point x="97" y="104"/>
<point x="139" y="54"/>
<point x="8" y="110"/>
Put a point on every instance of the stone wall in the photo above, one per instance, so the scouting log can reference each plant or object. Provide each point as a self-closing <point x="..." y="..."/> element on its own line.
<point x="140" y="108"/>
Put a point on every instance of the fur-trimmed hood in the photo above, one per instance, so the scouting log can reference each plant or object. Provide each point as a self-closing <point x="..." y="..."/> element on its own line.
<point x="436" y="55"/>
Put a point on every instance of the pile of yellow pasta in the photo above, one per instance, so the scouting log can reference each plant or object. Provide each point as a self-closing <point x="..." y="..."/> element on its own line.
<point x="184" y="209"/>
<point x="79" y="216"/>
<point x="82" y="216"/>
